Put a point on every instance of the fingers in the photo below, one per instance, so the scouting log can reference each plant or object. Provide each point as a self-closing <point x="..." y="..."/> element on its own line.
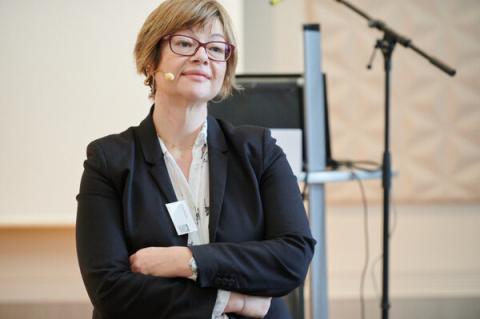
<point x="248" y="306"/>
<point x="165" y="262"/>
<point x="136" y="264"/>
<point x="256" y="307"/>
<point x="235" y="303"/>
<point x="139" y="262"/>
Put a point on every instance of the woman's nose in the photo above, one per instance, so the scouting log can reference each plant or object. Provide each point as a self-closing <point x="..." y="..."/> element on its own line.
<point x="201" y="55"/>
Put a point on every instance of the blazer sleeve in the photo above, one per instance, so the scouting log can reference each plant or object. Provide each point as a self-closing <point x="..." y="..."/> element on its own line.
<point x="274" y="266"/>
<point x="114" y="290"/>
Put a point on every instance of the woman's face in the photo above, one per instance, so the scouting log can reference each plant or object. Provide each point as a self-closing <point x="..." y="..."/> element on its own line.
<point x="197" y="79"/>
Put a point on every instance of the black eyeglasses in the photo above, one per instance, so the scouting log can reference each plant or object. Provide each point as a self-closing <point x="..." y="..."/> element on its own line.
<point x="187" y="46"/>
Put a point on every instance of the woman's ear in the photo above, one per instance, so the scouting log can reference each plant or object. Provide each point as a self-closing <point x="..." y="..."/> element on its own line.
<point x="148" y="70"/>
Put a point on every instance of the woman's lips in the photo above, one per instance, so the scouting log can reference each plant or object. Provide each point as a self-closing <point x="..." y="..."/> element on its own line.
<point x="196" y="75"/>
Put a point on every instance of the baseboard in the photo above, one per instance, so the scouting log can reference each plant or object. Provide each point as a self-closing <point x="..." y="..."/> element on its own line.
<point x="47" y="310"/>
<point x="409" y="308"/>
<point x="401" y="308"/>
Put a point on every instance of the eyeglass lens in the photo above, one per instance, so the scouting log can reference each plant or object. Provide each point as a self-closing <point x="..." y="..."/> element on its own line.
<point x="182" y="45"/>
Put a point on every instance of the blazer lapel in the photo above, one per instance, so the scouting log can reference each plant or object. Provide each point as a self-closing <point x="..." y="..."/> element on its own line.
<point x="217" y="166"/>
<point x="217" y="158"/>
<point x="160" y="174"/>
<point x="147" y="138"/>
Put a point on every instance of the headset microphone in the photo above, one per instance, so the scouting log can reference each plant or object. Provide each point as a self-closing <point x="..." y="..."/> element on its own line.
<point x="168" y="76"/>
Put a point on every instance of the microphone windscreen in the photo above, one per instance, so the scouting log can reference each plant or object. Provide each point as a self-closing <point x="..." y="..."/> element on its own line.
<point x="168" y="76"/>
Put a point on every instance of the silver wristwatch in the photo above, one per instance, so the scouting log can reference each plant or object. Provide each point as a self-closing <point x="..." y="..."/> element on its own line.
<point x="193" y="267"/>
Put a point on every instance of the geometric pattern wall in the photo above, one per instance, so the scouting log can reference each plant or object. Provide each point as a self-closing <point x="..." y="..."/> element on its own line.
<point x="435" y="119"/>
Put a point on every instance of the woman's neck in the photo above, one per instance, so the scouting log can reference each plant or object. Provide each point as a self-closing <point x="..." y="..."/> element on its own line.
<point x="178" y="123"/>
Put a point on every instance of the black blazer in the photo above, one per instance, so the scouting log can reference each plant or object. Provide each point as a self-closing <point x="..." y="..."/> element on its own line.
<point x="260" y="238"/>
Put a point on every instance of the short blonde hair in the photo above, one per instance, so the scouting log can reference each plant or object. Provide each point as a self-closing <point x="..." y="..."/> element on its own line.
<point x="172" y="16"/>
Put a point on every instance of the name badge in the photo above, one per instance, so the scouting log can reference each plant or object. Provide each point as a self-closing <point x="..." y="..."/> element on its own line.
<point x="181" y="217"/>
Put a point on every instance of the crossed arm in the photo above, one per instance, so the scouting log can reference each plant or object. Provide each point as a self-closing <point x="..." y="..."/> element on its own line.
<point x="173" y="262"/>
<point x="124" y="286"/>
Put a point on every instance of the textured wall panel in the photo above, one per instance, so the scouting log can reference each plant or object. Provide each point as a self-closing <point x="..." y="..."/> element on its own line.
<point x="435" y="118"/>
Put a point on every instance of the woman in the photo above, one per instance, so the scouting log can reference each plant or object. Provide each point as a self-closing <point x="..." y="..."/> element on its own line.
<point x="186" y="216"/>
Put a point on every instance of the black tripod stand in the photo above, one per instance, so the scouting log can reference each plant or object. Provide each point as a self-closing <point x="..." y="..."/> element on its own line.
<point x="386" y="45"/>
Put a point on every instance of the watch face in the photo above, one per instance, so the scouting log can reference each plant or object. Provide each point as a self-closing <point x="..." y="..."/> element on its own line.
<point x="193" y="265"/>
<point x="193" y="268"/>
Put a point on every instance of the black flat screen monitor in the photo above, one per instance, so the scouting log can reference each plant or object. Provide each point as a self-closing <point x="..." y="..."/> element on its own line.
<point x="269" y="100"/>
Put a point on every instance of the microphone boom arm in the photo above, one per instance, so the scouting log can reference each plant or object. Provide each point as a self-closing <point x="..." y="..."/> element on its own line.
<point x="404" y="41"/>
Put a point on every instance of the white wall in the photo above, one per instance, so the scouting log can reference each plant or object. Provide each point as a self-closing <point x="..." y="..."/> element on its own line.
<point x="273" y="37"/>
<point x="434" y="251"/>
<point x="67" y="77"/>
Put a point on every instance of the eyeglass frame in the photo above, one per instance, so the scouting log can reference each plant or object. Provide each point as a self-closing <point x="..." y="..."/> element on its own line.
<point x="230" y="47"/>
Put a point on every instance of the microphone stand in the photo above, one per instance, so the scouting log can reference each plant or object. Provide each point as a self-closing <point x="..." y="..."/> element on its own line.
<point x="386" y="45"/>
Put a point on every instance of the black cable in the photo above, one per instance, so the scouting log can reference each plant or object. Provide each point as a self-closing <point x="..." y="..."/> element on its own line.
<point x="390" y="235"/>
<point x="367" y="245"/>
<point x="367" y="166"/>
<point x="362" y="165"/>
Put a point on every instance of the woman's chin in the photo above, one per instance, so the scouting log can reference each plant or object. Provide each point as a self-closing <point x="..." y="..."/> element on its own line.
<point x="198" y="96"/>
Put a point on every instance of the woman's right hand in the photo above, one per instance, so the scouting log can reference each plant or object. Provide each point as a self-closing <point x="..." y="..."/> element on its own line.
<point x="248" y="306"/>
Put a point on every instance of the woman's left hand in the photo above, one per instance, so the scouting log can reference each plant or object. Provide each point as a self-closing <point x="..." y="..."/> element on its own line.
<point x="162" y="261"/>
